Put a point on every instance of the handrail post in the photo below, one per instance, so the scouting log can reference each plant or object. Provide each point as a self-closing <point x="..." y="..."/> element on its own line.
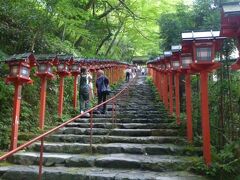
<point x="113" y="113"/>
<point x="41" y="160"/>
<point x="91" y="126"/>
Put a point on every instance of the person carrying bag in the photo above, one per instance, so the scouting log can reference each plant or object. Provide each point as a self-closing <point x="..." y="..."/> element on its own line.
<point x="103" y="89"/>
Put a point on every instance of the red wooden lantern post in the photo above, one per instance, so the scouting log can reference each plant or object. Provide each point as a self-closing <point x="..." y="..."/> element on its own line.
<point x="62" y="71"/>
<point x="185" y="61"/>
<point x="159" y="78"/>
<point x="75" y="71"/>
<point x="175" y="64"/>
<point x="162" y="70"/>
<point x="168" y="81"/>
<point x="204" y="44"/>
<point x="19" y="66"/>
<point x="165" y="84"/>
<point x="230" y="23"/>
<point x="45" y="63"/>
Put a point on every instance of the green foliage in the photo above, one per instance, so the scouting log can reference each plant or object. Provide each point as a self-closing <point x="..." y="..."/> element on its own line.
<point x="225" y="164"/>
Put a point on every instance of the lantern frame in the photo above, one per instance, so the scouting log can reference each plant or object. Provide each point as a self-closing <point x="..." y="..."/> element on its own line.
<point x="20" y="67"/>
<point x="47" y="61"/>
<point x="176" y="57"/>
<point x="210" y="40"/>
<point x="167" y="60"/>
<point x="186" y="57"/>
<point x="64" y="61"/>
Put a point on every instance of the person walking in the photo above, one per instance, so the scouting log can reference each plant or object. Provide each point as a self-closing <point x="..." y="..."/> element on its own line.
<point x="128" y="73"/>
<point x="90" y="84"/>
<point x="84" y="91"/>
<point x="102" y="84"/>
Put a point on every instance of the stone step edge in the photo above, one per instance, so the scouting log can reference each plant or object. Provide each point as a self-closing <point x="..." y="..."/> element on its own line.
<point x="104" y="174"/>
<point x="131" y="148"/>
<point x="159" y="163"/>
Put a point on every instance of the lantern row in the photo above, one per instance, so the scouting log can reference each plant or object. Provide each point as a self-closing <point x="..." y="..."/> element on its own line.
<point x="20" y="67"/>
<point x="195" y="55"/>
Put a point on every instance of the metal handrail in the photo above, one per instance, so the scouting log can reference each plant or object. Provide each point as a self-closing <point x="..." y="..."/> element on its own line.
<point x="42" y="136"/>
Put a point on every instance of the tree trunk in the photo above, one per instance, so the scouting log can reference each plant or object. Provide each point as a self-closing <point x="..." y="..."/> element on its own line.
<point x="102" y="42"/>
<point x="114" y="38"/>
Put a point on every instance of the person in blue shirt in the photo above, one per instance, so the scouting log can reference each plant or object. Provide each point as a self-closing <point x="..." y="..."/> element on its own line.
<point x="102" y="83"/>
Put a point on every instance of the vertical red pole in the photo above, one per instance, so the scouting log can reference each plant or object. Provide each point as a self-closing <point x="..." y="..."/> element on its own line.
<point x="205" y="117"/>
<point x="112" y="75"/>
<point x="75" y="83"/>
<point x="16" y="114"/>
<point x="188" y="107"/>
<point x="170" y="93"/>
<point x="177" y="98"/>
<point x="158" y="82"/>
<point x="165" y="96"/>
<point x="60" y="101"/>
<point x="160" y="85"/>
<point x="42" y="102"/>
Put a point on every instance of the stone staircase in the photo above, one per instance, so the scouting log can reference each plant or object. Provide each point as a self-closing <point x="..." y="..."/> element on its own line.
<point x="142" y="144"/>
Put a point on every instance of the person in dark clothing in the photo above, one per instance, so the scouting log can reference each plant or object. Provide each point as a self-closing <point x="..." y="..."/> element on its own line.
<point x="84" y="91"/>
<point x="101" y="83"/>
<point x="128" y="73"/>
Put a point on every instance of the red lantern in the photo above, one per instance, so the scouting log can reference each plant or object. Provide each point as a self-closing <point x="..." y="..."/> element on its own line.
<point x="45" y="63"/>
<point x="230" y="20"/>
<point x="20" y="66"/>
<point x="204" y="45"/>
<point x="175" y="64"/>
<point x="62" y="70"/>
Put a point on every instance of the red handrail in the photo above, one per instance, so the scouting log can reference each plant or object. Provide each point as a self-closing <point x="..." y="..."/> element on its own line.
<point x="42" y="136"/>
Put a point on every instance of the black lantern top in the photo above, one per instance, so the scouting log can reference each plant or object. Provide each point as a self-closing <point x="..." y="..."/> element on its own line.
<point x="46" y="57"/>
<point x="25" y="57"/>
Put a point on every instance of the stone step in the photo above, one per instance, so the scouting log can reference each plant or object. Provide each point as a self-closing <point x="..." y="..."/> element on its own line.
<point x="125" y="120"/>
<point x="140" y="112"/>
<point x="82" y="131"/>
<point x="125" y="125"/>
<point x="143" y="132"/>
<point x="125" y="115"/>
<point x="118" y="132"/>
<point x="115" y="139"/>
<point x="66" y="173"/>
<point x="149" y="149"/>
<point x="158" y="163"/>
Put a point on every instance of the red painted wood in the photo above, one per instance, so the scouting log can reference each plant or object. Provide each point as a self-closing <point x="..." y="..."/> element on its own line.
<point x="42" y="102"/>
<point x="60" y="100"/>
<point x="205" y="117"/>
<point x="16" y="114"/>
<point x="75" y="83"/>
<point x="177" y="100"/>
<point x="189" y="107"/>
<point x="170" y="75"/>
